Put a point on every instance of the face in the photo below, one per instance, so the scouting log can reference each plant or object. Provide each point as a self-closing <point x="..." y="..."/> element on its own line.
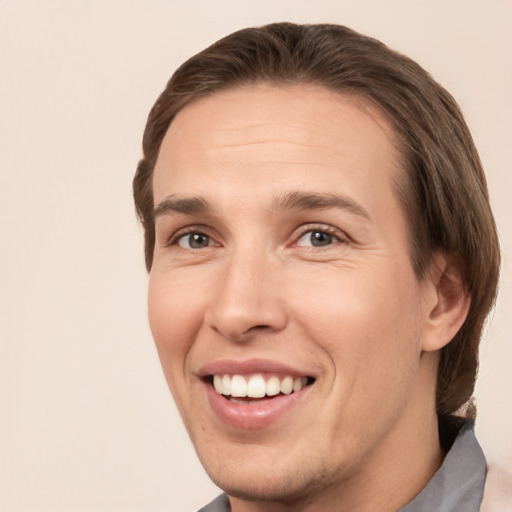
<point x="282" y="299"/>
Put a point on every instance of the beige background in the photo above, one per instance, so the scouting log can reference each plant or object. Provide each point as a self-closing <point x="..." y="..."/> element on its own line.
<point x="86" y="421"/>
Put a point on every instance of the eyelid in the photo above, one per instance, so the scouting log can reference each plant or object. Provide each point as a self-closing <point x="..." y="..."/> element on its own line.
<point x="188" y="230"/>
<point x="340" y="235"/>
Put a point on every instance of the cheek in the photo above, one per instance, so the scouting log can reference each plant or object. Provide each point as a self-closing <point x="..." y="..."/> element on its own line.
<point x="368" y="328"/>
<point x="174" y="313"/>
<point x="360" y="317"/>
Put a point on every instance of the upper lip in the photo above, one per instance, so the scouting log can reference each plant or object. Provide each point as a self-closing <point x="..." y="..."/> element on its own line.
<point x="250" y="366"/>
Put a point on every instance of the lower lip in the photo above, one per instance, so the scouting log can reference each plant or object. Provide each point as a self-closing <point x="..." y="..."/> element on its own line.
<point x="255" y="415"/>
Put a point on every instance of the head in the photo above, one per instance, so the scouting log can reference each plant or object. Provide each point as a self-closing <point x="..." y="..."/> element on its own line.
<point x="440" y="183"/>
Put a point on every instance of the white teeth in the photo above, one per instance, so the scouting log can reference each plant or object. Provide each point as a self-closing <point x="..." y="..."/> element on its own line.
<point x="273" y="386"/>
<point x="238" y="386"/>
<point x="217" y="384"/>
<point x="287" y="385"/>
<point x="226" y="385"/>
<point x="256" y="387"/>
<point x="299" y="383"/>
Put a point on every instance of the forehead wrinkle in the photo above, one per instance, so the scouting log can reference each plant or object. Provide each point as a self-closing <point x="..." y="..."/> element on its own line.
<point x="271" y="132"/>
<point x="263" y="142"/>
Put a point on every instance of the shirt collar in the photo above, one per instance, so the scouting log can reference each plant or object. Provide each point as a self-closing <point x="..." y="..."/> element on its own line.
<point x="459" y="482"/>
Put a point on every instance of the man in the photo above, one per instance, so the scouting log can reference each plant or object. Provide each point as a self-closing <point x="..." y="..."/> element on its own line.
<point x="322" y="258"/>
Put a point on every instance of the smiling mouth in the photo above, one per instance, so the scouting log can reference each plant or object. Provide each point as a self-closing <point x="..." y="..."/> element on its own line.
<point x="247" y="389"/>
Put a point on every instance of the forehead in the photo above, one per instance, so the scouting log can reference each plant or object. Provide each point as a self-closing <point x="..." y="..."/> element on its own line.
<point x="265" y="135"/>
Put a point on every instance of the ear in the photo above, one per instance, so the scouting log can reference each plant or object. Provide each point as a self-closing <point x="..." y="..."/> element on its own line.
<point x="448" y="302"/>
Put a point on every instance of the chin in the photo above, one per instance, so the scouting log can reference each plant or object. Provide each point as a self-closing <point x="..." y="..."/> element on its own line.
<point x="298" y="482"/>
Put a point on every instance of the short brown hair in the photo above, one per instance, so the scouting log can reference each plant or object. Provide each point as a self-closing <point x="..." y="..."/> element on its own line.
<point x="442" y="187"/>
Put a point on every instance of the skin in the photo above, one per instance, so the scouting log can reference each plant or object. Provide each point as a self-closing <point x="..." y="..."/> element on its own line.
<point x="351" y="313"/>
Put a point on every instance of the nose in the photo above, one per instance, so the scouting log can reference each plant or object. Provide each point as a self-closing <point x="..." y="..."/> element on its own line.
<point x="249" y="299"/>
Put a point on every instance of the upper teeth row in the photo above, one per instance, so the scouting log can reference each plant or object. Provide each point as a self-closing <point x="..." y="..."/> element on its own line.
<point x="255" y="386"/>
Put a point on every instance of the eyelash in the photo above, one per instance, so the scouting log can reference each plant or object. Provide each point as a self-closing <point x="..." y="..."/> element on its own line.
<point x="322" y="228"/>
<point x="189" y="230"/>
<point x="303" y="230"/>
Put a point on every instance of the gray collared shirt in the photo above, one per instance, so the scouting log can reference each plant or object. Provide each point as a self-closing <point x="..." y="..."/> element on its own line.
<point x="457" y="486"/>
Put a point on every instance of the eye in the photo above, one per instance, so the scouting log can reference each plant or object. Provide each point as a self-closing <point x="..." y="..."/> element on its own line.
<point x="194" y="241"/>
<point x="316" y="238"/>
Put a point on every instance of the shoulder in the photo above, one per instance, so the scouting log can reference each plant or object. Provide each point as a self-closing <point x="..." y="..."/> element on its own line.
<point x="219" y="504"/>
<point x="497" y="491"/>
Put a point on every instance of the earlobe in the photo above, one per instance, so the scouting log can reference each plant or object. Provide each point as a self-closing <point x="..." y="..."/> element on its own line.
<point x="450" y="303"/>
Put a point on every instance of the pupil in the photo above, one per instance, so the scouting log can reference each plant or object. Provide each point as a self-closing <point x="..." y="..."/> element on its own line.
<point x="198" y="240"/>
<point x="319" y="238"/>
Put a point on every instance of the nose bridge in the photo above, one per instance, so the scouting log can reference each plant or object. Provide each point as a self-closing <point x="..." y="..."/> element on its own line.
<point x="248" y="297"/>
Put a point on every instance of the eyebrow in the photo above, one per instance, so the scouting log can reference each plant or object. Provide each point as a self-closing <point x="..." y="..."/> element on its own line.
<point x="317" y="201"/>
<point x="289" y="201"/>
<point x="187" y="205"/>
